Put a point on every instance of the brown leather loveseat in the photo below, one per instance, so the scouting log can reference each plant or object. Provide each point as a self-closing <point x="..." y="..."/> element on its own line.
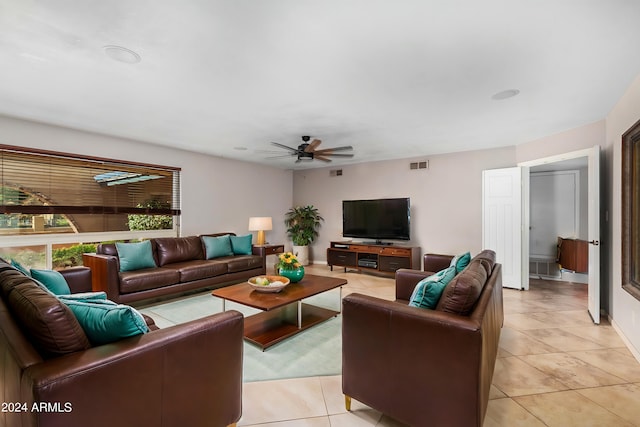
<point x="51" y="376"/>
<point x="181" y="266"/>
<point x="426" y="367"/>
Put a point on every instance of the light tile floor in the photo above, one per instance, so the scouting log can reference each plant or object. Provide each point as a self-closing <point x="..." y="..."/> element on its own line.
<point x="554" y="368"/>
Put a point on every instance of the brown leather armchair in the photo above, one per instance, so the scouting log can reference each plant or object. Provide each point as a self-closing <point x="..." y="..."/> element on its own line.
<point x="184" y="375"/>
<point x="423" y="367"/>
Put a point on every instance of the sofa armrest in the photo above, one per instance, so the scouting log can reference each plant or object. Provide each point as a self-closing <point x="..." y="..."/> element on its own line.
<point x="104" y="274"/>
<point x="426" y="357"/>
<point x="78" y="279"/>
<point x="188" y="374"/>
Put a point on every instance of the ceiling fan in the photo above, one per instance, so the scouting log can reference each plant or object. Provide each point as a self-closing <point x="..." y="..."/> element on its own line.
<point x="308" y="150"/>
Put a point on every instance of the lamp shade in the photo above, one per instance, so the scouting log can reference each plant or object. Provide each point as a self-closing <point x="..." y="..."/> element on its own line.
<point x="258" y="223"/>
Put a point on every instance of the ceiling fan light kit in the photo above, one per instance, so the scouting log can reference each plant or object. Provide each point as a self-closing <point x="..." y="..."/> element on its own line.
<point x="307" y="150"/>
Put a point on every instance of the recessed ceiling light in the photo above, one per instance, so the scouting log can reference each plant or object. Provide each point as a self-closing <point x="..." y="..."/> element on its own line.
<point x="509" y="93"/>
<point x="122" y="54"/>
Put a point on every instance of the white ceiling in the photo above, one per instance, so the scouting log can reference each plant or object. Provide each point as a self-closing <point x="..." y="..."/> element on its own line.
<point x="394" y="79"/>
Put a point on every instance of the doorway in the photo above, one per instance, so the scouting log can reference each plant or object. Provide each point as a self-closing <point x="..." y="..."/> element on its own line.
<point x="583" y="160"/>
<point x="558" y="229"/>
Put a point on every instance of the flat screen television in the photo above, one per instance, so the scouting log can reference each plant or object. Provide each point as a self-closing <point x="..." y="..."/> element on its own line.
<point x="376" y="219"/>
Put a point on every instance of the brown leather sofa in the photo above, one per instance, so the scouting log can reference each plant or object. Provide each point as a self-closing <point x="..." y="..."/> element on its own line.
<point x="182" y="267"/>
<point x="50" y="376"/>
<point x="426" y="367"/>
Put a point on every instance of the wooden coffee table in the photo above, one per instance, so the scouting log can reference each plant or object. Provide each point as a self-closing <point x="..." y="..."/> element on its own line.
<point x="283" y="313"/>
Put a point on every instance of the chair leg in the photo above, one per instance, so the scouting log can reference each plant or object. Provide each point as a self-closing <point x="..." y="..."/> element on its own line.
<point x="347" y="402"/>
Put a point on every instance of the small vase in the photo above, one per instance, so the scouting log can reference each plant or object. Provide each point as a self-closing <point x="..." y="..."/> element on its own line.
<point x="294" y="275"/>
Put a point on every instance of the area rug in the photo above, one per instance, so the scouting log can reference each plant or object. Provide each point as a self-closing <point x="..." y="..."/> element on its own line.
<point x="316" y="351"/>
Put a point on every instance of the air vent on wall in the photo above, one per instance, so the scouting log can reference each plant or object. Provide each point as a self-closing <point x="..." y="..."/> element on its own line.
<point x="419" y="165"/>
<point x="335" y="172"/>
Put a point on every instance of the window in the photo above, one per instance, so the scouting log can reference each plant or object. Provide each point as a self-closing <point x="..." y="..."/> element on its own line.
<point x="631" y="210"/>
<point x="49" y="192"/>
<point x="32" y="256"/>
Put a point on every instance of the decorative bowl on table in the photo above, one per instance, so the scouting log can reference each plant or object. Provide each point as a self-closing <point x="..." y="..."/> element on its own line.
<point x="266" y="283"/>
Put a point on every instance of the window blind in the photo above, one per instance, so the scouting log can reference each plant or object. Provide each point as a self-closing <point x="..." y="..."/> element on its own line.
<point x="36" y="182"/>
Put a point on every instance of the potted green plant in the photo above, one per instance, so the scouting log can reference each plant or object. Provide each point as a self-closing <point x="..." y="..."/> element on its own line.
<point x="302" y="224"/>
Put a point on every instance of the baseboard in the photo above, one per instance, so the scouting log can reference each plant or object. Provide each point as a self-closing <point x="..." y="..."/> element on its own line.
<point x="624" y="339"/>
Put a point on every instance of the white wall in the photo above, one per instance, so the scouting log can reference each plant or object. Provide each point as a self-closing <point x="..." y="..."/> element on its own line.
<point x="446" y="199"/>
<point x="558" y="206"/>
<point x="584" y="204"/>
<point x="217" y="194"/>
<point x="625" y="309"/>
<point x="564" y="142"/>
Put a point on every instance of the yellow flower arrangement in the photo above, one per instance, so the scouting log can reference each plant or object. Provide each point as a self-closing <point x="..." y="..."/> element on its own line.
<point x="288" y="261"/>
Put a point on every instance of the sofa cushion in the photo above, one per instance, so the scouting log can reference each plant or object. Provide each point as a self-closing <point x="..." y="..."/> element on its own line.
<point x="151" y="324"/>
<point x="487" y="258"/>
<point x="242" y="263"/>
<point x="101" y="297"/>
<point x="460" y="262"/>
<point x="149" y="278"/>
<point x="48" y="323"/>
<point x="461" y="294"/>
<point x="427" y="292"/>
<point x="241" y="245"/>
<point x="135" y="256"/>
<point x="52" y="280"/>
<point x="199" y="269"/>
<point x="178" y="249"/>
<point x="10" y="279"/>
<point x="107" y="249"/>
<point x="217" y="246"/>
<point x="104" y="322"/>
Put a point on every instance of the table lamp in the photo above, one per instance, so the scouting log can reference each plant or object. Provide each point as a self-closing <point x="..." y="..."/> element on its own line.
<point x="260" y="224"/>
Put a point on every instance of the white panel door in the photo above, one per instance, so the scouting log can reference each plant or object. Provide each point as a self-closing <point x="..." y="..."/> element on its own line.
<point x="502" y="222"/>
<point x="594" y="233"/>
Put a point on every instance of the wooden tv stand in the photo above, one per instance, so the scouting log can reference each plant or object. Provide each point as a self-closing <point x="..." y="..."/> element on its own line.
<point x="370" y="257"/>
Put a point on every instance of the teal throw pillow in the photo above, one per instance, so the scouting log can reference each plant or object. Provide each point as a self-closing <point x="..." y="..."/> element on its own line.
<point x="241" y="245"/>
<point x="21" y="268"/>
<point x="104" y="323"/>
<point x="135" y="256"/>
<point x="217" y="246"/>
<point x="52" y="280"/>
<point x="97" y="297"/>
<point x="461" y="261"/>
<point x="428" y="291"/>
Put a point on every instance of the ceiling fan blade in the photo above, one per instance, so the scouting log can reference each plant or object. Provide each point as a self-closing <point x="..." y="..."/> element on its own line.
<point x="312" y="146"/>
<point x="343" y="148"/>
<point x="333" y="154"/>
<point x="295" y="150"/>
<point x="322" y="158"/>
